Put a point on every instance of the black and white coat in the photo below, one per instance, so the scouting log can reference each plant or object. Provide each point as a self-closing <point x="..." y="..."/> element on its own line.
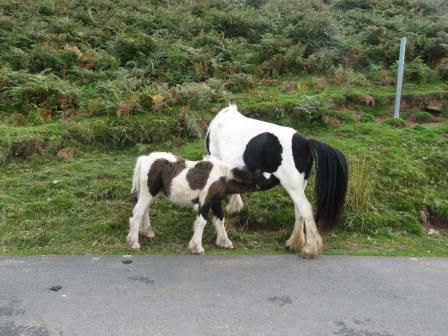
<point x="284" y="157"/>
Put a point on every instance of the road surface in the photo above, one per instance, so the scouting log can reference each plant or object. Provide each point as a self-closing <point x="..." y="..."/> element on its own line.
<point x="223" y="295"/>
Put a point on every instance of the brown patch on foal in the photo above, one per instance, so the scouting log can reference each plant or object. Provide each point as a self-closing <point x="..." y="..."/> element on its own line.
<point x="198" y="175"/>
<point x="216" y="190"/>
<point x="162" y="173"/>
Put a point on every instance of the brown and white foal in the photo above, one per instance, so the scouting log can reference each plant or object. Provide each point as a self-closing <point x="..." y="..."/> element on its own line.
<point x="200" y="184"/>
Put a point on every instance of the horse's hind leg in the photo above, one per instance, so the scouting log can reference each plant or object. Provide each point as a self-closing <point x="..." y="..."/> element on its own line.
<point x="235" y="204"/>
<point x="296" y="241"/>
<point x="145" y="226"/>
<point x="294" y="183"/>
<point x="137" y="216"/>
<point x="313" y="240"/>
<point x="195" y="244"/>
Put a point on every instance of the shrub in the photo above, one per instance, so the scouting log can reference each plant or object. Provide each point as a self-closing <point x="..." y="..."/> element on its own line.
<point x="423" y="117"/>
<point x="25" y="92"/>
<point x="133" y="46"/>
<point x="379" y="75"/>
<point x="395" y="122"/>
<point x="416" y="70"/>
<point x="105" y="61"/>
<point x="316" y="29"/>
<point x="124" y="132"/>
<point x="17" y="58"/>
<point x="321" y="60"/>
<point x="44" y="56"/>
<point x="347" y="77"/>
<point x="241" y="82"/>
<point x="366" y="118"/>
<point x="312" y="109"/>
<point x="442" y="69"/>
<point x="353" y="4"/>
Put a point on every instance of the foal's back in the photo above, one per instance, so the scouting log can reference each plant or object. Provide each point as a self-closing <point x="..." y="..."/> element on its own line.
<point x="180" y="180"/>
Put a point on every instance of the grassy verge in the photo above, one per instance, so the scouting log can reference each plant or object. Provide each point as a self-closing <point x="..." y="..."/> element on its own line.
<point x="85" y="86"/>
<point x="57" y="206"/>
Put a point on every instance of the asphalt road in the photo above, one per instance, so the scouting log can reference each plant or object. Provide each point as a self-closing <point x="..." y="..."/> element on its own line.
<point x="223" y="295"/>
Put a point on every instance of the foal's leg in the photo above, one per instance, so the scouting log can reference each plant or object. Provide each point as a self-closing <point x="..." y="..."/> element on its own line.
<point x="235" y="204"/>
<point x="195" y="244"/>
<point x="222" y="240"/>
<point x="137" y="216"/>
<point x="145" y="226"/>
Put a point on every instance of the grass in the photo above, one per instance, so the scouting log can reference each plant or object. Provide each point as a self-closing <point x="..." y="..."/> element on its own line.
<point x="55" y="206"/>
<point x="106" y="81"/>
<point x="82" y="206"/>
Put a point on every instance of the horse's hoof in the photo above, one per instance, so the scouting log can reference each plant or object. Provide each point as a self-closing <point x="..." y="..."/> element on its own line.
<point x="196" y="249"/>
<point x="295" y="243"/>
<point x="309" y="253"/>
<point x="135" y="246"/>
<point x="198" y="252"/>
<point x="306" y="256"/>
<point x="149" y="236"/>
<point x="227" y="244"/>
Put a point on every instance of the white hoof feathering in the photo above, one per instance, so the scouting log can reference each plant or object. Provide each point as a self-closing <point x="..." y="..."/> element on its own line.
<point x="134" y="245"/>
<point x="132" y="242"/>
<point x="310" y="252"/>
<point x="149" y="233"/>
<point x="224" y="243"/>
<point x="196" y="248"/>
<point x="296" y="242"/>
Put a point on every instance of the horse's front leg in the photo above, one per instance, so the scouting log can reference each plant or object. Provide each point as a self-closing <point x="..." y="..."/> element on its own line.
<point x="222" y="240"/>
<point x="195" y="244"/>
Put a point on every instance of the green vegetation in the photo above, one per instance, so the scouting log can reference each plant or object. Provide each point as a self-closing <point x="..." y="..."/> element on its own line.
<point x="396" y="122"/>
<point x="71" y="58"/>
<point x="56" y="205"/>
<point x="86" y="86"/>
<point x="423" y="117"/>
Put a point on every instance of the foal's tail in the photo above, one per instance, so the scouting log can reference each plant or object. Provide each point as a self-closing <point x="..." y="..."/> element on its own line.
<point x="331" y="183"/>
<point x="136" y="179"/>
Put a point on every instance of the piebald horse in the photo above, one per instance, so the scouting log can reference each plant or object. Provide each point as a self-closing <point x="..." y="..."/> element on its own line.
<point x="284" y="157"/>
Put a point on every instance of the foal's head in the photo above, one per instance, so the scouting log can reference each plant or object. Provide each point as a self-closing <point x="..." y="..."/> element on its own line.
<point x="231" y="173"/>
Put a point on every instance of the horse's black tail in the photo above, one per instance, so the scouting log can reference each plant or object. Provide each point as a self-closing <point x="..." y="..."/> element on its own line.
<point x="330" y="184"/>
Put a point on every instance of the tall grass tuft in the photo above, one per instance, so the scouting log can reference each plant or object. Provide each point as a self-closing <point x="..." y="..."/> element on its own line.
<point x="361" y="185"/>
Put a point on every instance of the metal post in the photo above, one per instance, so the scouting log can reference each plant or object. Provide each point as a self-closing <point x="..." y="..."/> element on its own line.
<point x="400" y="77"/>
